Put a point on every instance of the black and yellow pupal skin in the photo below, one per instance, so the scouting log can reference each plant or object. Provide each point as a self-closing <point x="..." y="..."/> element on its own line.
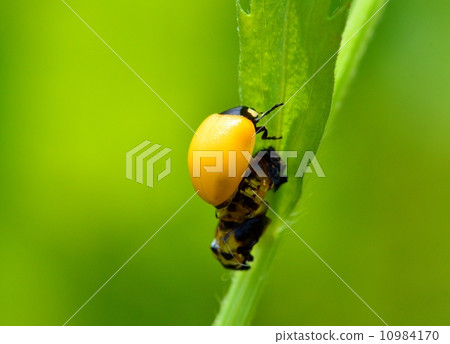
<point x="243" y="220"/>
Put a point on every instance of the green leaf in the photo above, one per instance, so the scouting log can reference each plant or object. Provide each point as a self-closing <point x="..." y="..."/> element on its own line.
<point x="362" y="21"/>
<point x="288" y="54"/>
<point x="283" y="44"/>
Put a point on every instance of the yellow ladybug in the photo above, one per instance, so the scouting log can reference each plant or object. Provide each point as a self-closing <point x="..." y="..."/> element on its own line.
<point x="229" y="133"/>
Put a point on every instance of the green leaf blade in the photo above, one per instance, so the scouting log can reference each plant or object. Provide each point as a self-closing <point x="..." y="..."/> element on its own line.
<point x="290" y="47"/>
<point x="363" y="19"/>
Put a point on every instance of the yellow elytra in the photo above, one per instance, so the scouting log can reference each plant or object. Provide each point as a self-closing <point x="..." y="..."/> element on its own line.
<point x="215" y="159"/>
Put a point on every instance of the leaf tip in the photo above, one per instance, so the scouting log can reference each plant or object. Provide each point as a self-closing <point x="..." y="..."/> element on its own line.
<point x="244" y="6"/>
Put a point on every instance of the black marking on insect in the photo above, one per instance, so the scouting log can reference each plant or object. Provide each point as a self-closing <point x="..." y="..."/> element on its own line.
<point x="255" y="117"/>
<point x="243" y="219"/>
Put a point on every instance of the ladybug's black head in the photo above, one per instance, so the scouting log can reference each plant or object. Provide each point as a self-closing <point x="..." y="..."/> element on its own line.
<point x="249" y="112"/>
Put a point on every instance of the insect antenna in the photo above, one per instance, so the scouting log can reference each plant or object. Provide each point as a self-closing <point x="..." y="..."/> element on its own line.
<point x="268" y="111"/>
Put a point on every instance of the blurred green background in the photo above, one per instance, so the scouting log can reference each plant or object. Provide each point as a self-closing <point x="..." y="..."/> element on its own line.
<point x="70" y="110"/>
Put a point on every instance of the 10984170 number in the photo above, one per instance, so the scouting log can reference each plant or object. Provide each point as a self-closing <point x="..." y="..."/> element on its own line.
<point x="406" y="335"/>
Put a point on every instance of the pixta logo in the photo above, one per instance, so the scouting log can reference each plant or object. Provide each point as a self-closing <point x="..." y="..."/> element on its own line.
<point x="140" y="160"/>
<point x="229" y="162"/>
